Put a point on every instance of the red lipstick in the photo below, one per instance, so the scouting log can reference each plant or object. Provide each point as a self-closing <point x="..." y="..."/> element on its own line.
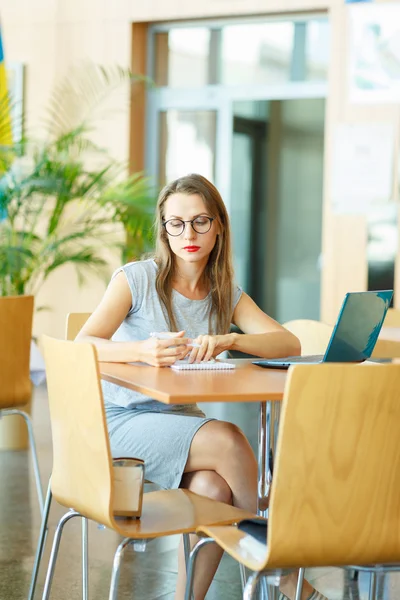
<point x="192" y="248"/>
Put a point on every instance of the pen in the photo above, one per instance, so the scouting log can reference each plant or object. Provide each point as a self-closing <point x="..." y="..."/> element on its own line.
<point x="168" y="336"/>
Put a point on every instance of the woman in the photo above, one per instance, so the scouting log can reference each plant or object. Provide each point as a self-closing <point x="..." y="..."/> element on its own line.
<point x="189" y="289"/>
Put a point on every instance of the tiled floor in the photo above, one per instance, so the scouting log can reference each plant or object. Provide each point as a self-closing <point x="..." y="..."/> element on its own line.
<point x="145" y="576"/>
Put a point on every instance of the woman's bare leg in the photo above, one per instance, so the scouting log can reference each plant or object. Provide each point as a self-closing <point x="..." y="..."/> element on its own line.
<point x="210" y="484"/>
<point x="223" y="448"/>
<point x="221" y="465"/>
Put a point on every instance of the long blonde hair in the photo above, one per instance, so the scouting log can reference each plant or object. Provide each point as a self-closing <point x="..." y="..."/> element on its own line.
<point x="218" y="271"/>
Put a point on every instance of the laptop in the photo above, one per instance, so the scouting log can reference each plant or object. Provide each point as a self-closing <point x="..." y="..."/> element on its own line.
<point x="354" y="335"/>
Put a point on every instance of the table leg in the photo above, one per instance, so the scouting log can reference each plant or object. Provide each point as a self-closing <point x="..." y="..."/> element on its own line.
<point x="262" y="458"/>
<point x="267" y="438"/>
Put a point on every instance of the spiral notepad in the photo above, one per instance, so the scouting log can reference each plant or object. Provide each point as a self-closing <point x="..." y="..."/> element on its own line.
<point x="183" y="365"/>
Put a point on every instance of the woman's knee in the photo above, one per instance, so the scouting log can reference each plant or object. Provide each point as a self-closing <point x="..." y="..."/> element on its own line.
<point x="217" y="444"/>
<point x="231" y="439"/>
<point x="209" y="484"/>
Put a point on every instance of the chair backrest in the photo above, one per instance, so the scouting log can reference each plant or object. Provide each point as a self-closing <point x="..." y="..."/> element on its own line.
<point x="16" y="313"/>
<point x="75" y="322"/>
<point x="81" y="477"/>
<point x="336" y="490"/>
<point x="392" y="318"/>
<point x="386" y="349"/>
<point x="313" y="335"/>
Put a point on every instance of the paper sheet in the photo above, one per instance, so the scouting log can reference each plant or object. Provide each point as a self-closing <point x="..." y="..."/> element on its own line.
<point x="362" y="166"/>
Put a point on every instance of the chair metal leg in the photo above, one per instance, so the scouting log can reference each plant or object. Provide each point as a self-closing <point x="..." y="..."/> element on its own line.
<point x="264" y="589"/>
<point x="28" y="421"/>
<point x="380" y="585"/>
<point x="299" y="587"/>
<point x="54" y="552"/>
<point x="85" y="559"/>
<point x="372" y="587"/>
<point x="116" y="568"/>
<point x="251" y="586"/>
<point x="351" y="586"/>
<point x="41" y="542"/>
<point x="243" y="576"/>
<point x="186" y="549"/>
<point x="192" y="564"/>
<point x="273" y="592"/>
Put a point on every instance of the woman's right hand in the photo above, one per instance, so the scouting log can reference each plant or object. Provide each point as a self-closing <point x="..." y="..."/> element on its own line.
<point x="163" y="353"/>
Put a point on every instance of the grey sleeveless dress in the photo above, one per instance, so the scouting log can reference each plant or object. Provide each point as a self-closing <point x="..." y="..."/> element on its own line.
<point x="139" y="426"/>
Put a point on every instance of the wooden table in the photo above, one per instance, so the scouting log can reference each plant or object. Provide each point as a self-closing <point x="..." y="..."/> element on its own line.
<point x="246" y="383"/>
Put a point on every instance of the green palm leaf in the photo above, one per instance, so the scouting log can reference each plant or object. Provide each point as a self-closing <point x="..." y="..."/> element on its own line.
<point x="83" y="92"/>
<point x="63" y="197"/>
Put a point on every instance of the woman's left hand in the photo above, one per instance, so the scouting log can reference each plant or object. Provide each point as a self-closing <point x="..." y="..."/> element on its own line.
<point x="210" y="346"/>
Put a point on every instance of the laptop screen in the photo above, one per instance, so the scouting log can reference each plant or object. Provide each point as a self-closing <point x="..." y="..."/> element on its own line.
<point x="358" y="326"/>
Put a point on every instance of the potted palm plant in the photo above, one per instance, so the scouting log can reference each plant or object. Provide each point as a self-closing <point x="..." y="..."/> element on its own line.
<point x="62" y="198"/>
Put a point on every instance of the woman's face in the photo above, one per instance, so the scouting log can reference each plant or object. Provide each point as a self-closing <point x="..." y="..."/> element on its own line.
<point x="188" y="244"/>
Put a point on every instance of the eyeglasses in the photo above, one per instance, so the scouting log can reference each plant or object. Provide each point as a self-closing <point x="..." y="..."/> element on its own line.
<point x="176" y="227"/>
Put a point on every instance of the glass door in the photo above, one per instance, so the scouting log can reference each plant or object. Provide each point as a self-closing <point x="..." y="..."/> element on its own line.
<point x="248" y="190"/>
<point x="187" y="143"/>
<point x="276" y="204"/>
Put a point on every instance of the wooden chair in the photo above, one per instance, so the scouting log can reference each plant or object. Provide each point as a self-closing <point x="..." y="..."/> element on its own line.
<point x="82" y="465"/>
<point x="392" y="318"/>
<point x="386" y="349"/>
<point x="314" y="337"/>
<point x="335" y="491"/>
<point x="16" y="313"/>
<point x="74" y="323"/>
